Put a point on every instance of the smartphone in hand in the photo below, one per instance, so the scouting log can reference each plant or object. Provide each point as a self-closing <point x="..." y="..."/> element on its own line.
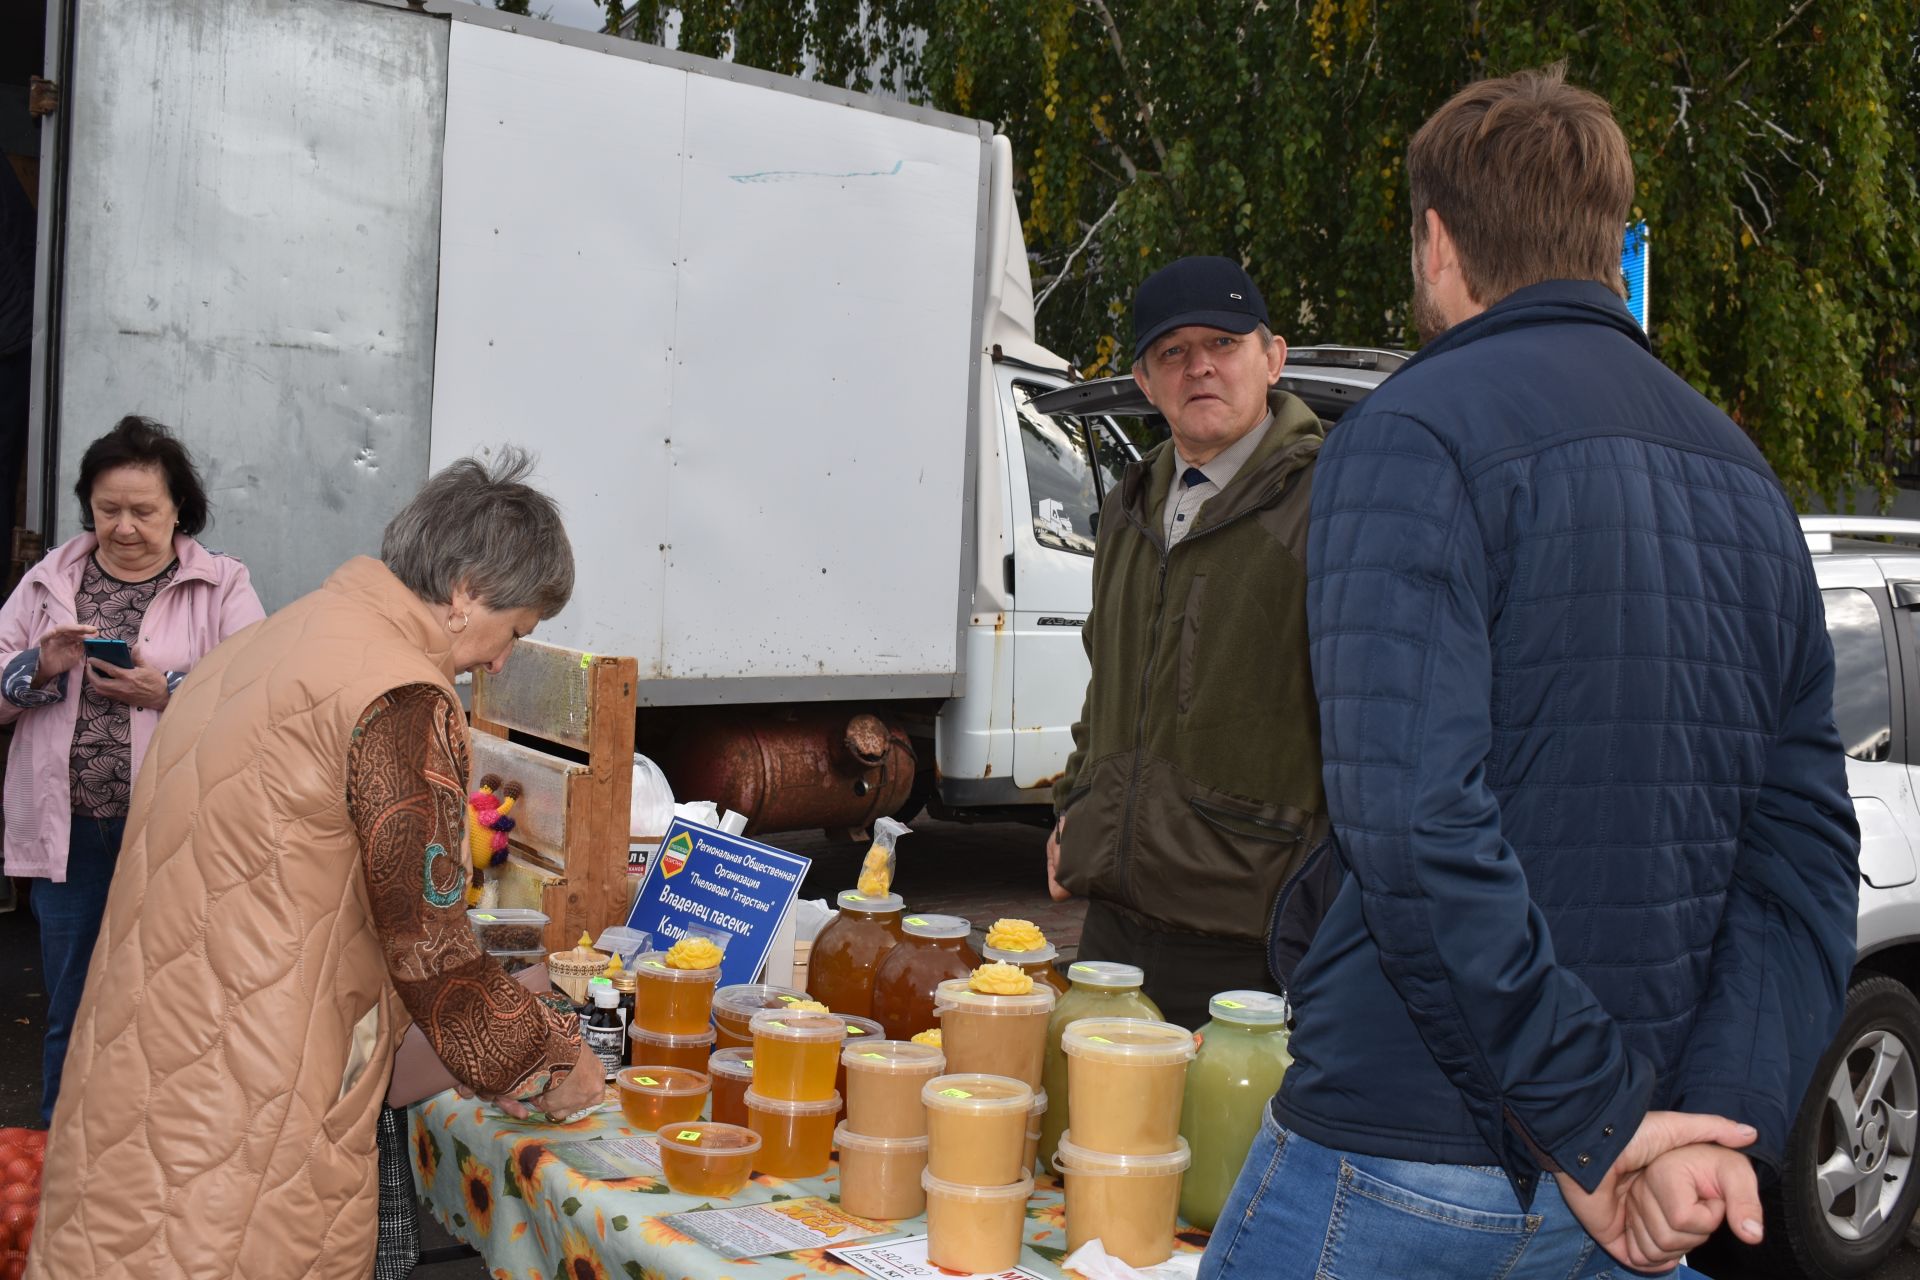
<point x="115" y="653"/>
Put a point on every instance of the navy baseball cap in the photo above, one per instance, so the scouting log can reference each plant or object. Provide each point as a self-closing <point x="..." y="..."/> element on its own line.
<point x="1214" y="292"/>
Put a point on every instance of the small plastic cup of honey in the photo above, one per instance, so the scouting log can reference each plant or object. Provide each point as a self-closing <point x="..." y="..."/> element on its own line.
<point x="974" y="1229"/>
<point x="732" y="1072"/>
<point x="654" y="1095"/>
<point x="796" y="1137"/>
<point x="690" y="1052"/>
<point x="669" y="1001"/>
<point x="883" y="1086"/>
<point x="796" y="1054"/>
<point x="707" y="1158"/>
<point x="978" y="1124"/>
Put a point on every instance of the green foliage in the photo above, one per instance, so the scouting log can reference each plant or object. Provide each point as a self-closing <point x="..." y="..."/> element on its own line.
<point x="1776" y="145"/>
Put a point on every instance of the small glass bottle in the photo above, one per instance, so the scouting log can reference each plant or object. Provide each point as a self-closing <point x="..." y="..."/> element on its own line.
<point x="1096" y="989"/>
<point x="932" y="949"/>
<point x="602" y="1028"/>
<point x="1243" y="1057"/>
<point x="845" y="956"/>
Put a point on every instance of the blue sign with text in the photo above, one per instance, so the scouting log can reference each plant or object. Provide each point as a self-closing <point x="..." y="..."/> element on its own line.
<point x="719" y="886"/>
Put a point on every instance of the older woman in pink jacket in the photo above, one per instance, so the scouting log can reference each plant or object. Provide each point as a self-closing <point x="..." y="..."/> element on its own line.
<point x="81" y="725"/>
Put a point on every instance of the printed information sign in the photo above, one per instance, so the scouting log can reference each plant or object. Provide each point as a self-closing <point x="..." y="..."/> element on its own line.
<point x="718" y="886"/>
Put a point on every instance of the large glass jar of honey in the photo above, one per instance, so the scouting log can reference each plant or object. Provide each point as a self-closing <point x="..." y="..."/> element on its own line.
<point x="849" y="950"/>
<point x="931" y="950"/>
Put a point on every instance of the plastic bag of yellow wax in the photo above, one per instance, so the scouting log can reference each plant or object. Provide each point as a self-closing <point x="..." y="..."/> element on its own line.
<point x="876" y="869"/>
<point x="1016" y="935"/>
<point x="999" y="979"/>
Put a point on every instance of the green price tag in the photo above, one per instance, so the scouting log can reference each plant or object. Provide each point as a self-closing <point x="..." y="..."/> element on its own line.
<point x="781" y="1025"/>
<point x="915" y="920"/>
<point x="646" y="1080"/>
<point x="688" y="1135"/>
<point x="788" y="999"/>
<point x="955" y="1093"/>
<point x="877" y="1057"/>
<point x="486" y="917"/>
<point x="653" y="964"/>
<point x="856" y="1031"/>
<point x="1230" y="1004"/>
<point x="747" y="1063"/>
<point x="1099" y="1040"/>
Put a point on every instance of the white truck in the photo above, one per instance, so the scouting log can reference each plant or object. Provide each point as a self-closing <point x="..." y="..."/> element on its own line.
<point x="772" y="341"/>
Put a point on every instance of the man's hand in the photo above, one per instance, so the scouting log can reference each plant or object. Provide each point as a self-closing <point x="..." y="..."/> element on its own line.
<point x="584" y="1086"/>
<point x="1053" y="860"/>
<point x="138" y="686"/>
<point x="1607" y="1214"/>
<point x="1686" y="1194"/>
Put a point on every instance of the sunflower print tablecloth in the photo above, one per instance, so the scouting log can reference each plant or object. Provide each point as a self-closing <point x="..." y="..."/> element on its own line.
<point x="496" y="1184"/>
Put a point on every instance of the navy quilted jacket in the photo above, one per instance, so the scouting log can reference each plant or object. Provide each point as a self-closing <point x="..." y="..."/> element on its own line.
<point x="1576" y="699"/>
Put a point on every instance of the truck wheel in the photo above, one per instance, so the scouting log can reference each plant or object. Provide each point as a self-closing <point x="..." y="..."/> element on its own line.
<point x="1849" y="1185"/>
<point x="921" y="792"/>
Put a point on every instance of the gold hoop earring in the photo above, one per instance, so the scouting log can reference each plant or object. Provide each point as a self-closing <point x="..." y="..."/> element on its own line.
<point x="466" y="620"/>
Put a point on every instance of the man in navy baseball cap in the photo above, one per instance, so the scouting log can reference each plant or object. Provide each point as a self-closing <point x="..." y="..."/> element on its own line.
<point x="1194" y="790"/>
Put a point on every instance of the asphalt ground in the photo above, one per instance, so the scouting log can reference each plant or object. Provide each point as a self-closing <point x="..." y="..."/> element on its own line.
<point x="981" y="872"/>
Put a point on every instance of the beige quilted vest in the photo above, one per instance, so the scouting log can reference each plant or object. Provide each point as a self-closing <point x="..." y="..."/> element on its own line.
<point x="233" y="1048"/>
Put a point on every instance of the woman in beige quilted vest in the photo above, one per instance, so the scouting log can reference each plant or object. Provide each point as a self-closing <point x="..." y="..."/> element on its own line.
<point x="290" y="893"/>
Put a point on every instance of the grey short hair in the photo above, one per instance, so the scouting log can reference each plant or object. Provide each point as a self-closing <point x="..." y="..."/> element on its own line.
<point x="478" y="525"/>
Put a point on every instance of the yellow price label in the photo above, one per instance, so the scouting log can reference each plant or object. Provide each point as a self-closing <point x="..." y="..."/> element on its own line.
<point x="688" y="1135"/>
<point x="1099" y="1040"/>
<point x="1230" y="1004"/>
<point x="915" y="920"/>
<point x="955" y="1093"/>
<point x="856" y="1031"/>
<point x="646" y="1080"/>
<point x="877" y="1057"/>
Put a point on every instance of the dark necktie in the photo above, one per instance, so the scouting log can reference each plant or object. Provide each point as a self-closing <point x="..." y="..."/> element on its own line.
<point x="1193" y="476"/>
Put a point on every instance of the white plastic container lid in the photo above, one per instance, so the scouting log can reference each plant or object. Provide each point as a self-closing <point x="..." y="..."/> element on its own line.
<point x="670" y="1082"/>
<point x="734" y="1064"/>
<point x="802" y="1026"/>
<point x="936" y="926"/>
<point x="1020" y="1190"/>
<point x="654" y="965"/>
<point x="1039" y="1106"/>
<point x="862" y="1030"/>
<point x="1106" y="974"/>
<point x="744" y="999"/>
<point x="506" y="915"/>
<point x="977" y="1094"/>
<point x="1039" y="955"/>
<point x="895" y="1057"/>
<point x="1249" y="1008"/>
<point x="709" y="1138"/>
<point x="871" y="903"/>
<point x="604" y="996"/>
<point x="845" y="1138"/>
<point x="781" y="1107"/>
<point x="1072" y="1158"/>
<point x="1128" y="1040"/>
<point x="954" y="993"/>
<point x="639" y="1035"/>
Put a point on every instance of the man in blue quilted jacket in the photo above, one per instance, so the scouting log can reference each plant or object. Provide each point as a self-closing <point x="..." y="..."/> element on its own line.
<point x="1576" y="698"/>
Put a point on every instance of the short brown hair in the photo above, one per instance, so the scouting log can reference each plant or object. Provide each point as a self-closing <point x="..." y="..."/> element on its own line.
<point x="1532" y="178"/>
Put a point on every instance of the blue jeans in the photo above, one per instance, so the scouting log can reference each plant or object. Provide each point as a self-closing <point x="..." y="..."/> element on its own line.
<point x="1300" y="1210"/>
<point x="69" y="914"/>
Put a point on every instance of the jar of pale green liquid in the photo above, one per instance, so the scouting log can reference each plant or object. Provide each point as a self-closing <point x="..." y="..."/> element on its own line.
<point x="1243" y="1055"/>
<point x="1096" y="989"/>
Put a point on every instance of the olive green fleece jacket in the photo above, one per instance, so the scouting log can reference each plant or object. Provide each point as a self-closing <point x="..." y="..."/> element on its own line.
<point x="1194" y="789"/>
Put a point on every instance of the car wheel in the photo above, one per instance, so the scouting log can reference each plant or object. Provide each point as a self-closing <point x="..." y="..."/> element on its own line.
<point x="1850" y="1182"/>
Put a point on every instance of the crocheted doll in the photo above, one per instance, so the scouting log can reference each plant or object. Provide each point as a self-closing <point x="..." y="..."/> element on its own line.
<point x="487" y="826"/>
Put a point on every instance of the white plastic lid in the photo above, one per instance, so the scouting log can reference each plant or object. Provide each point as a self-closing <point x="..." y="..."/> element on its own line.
<point x="1039" y="955"/>
<point x="804" y="1026"/>
<point x="654" y="965"/>
<point x="975" y="1093"/>
<point x="640" y="1035"/>
<point x="872" y="903"/>
<point x="708" y="1138"/>
<point x="829" y="1106"/>
<point x="1106" y="974"/>
<point x="673" y="1082"/>
<point x="1129" y="1040"/>
<point x="954" y="993"/>
<point x="1039" y="1106"/>
<point x="1020" y="1190"/>
<point x="936" y="926"/>
<point x="506" y="915"/>
<point x="744" y="999"/>
<point x="864" y="1030"/>
<point x="845" y="1138"/>
<point x="604" y="996"/>
<point x="734" y="1064"/>
<point x="1249" y="1008"/>
<point x="895" y="1057"/>
<point x="1072" y="1158"/>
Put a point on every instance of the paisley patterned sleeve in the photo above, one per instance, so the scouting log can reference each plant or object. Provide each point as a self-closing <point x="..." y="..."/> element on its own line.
<point x="406" y="794"/>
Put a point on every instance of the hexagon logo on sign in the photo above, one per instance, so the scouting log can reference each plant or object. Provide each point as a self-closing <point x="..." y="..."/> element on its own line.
<point x="673" y="858"/>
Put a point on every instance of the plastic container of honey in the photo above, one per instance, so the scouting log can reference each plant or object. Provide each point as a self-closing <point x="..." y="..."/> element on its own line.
<point x="1130" y="1204"/>
<point x="732" y="1075"/>
<point x="979" y="1128"/>
<point x="1035" y="1118"/>
<point x="974" y="1229"/>
<point x="672" y="1002"/>
<point x="1097" y="989"/>
<point x="880" y="1177"/>
<point x="859" y="1031"/>
<point x="850" y="948"/>
<point x="994" y="1035"/>
<point x="883" y="1087"/>
<point x="645" y="1047"/>
<point x="1125" y="1080"/>
<point x="707" y="1158"/>
<point x="796" y="1054"/>
<point x="932" y="949"/>
<point x="796" y="1137"/>
<point x="652" y="1095"/>
<point x="734" y="1007"/>
<point x="1037" y="965"/>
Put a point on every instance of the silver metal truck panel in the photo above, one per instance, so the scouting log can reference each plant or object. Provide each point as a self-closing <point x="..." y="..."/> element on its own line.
<point x="252" y="226"/>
